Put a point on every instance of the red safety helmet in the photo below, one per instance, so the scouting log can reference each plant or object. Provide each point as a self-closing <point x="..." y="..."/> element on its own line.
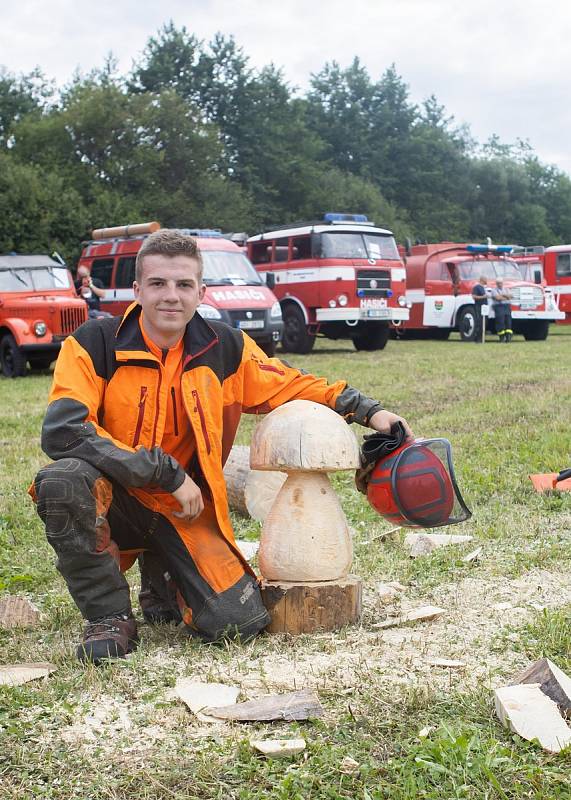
<point x="414" y="486"/>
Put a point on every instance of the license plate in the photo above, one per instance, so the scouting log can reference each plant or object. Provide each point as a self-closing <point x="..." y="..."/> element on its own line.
<point x="525" y="306"/>
<point x="251" y="324"/>
<point x="379" y="313"/>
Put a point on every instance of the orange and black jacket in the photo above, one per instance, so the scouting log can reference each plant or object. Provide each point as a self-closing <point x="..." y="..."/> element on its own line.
<point x="108" y="402"/>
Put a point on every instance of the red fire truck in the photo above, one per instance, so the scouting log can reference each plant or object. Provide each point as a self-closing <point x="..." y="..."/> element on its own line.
<point x="440" y="279"/>
<point x="38" y="309"/>
<point x="550" y="266"/>
<point x="235" y="293"/>
<point x="340" y="277"/>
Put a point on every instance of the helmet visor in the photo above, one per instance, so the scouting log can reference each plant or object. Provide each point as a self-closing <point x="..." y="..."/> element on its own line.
<point x="424" y="485"/>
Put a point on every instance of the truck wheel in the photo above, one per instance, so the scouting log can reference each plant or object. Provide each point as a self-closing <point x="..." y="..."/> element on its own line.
<point x="41" y="362"/>
<point x="269" y="347"/>
<point x="295" y="338"/>
<point x="467" y="324"/>
<point x="535" y="331"/>
<point x="375" y="338"/>
<point x="12" y="360"/>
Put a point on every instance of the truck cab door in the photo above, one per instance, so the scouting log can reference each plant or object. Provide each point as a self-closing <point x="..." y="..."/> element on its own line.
<point x="439" y="299"/>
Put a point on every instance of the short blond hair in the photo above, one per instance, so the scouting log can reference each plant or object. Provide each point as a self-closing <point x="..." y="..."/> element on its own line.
<point x="168" y="242"/>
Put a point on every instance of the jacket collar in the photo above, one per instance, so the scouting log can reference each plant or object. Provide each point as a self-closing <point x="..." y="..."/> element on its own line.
<point x="198" y="336"/>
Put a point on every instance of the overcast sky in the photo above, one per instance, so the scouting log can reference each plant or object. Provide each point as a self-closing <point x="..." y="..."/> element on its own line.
<point x="502" y="66"/>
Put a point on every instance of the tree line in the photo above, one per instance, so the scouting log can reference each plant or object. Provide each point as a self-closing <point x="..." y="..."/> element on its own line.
<point x="194" y="136"/>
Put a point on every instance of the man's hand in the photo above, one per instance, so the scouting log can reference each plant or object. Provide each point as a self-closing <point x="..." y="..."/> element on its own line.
<point x="383" y="421"/>
<point x="190" y="498"/>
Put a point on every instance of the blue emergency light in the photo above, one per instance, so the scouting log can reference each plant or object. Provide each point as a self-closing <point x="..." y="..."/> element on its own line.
<point x="333" y="216"/>
<point x="489" y="248"/>
<point x="202" y="233"/>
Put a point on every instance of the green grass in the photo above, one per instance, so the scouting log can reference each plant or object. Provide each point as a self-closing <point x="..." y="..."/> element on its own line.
<point x="506" y="411"/>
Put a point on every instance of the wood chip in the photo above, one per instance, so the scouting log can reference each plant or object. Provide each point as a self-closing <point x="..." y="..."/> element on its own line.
<point x="386" y="593"/>
<point x="525" y="710"/>
<point x="424" y="732"/>
<point x="18" y="612"/>
<point x="17" y="674"/>
<point x="198" y="696"/>
<point x="349" y="766"/>
<point x="473" y="556"/>
<point x="422" y="614"/>
<point x="421" y="544"/>
<point x="278" y="748"/>
<point x="445" y="662"/>
<point x="290" y="706"/>
<point x="248" y="549"/>
<point x="552" y="681"/>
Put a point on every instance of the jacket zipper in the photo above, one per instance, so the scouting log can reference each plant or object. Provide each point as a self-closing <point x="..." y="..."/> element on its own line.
<point x="202" y="420"/>
<point x="142" y="403"/>
<point x="157" y="407"/>
<point x="175" y="420"/>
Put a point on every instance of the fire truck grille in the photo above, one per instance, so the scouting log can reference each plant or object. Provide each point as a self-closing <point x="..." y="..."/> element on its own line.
<point x="70" y="319"/>
<point x="243" y="315"/>
<point x="527" y="296"/>
<point x="373" y="282"/>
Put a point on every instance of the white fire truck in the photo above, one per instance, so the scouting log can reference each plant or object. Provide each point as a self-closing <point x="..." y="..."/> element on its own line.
<point x="340" y="277"/>
<point x="440" y="279"/>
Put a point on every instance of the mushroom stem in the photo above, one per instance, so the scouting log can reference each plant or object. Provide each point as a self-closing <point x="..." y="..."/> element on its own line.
<point x="305" y="535"/>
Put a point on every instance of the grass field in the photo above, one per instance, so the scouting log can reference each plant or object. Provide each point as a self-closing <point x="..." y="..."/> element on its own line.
<point x="117" y="732"/>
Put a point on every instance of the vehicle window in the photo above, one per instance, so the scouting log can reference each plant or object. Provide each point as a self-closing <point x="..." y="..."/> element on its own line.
<point x="102" y="269"/>
<point x="38" y="279"/>
<point x="15" y="280"/>
<point x="301" y="248"/>
<point x="281" y="249"/>
<point x="261" y="252"/>
<point x="471" y="270"/>
<point x="339" y="244"/>
<point x="437" y="271"/>
<point x="222" y="267"/>
<point x="563" y="267"/>
<point x="50" y="278"/>
<point x="125" y="272"/>
<point x="379" y="246"/>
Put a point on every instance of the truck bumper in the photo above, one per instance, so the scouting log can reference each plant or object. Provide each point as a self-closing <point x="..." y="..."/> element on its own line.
<point x="353" y="315"/>
<point x="549" y="315"/>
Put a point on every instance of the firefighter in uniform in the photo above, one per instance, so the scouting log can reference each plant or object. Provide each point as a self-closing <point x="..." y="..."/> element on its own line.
<point x="501" y="298"/>
<point x="142" y="414"/>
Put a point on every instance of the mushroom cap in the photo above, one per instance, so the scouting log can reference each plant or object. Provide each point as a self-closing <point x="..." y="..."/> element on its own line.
<point x="306" y="436"/>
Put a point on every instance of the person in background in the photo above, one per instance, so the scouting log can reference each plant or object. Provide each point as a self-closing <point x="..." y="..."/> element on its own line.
<point x="501" y="298"/>
<point x="480" y="298"/>
<point x="92" y="291"/>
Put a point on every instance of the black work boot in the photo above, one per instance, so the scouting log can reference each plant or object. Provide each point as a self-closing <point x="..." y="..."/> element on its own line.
<point x="109" y="637"/>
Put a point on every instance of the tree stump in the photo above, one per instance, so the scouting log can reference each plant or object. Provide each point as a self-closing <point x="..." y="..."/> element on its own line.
<point x="251" y="492"/>
<point x="307" y="607"/>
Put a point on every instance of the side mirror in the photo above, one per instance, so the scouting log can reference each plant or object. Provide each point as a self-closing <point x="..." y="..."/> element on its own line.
<point x="270" y="280"/>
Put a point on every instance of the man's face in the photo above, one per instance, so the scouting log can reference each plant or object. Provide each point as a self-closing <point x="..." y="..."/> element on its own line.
<point x="499" y="283"/>
<point x="169" y="293"/>
<point x="82" y="272"/>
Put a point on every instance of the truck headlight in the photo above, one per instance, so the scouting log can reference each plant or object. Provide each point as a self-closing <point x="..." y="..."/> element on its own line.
<point x="209" y="312"/>
<point x="401" y="300"/>
<point x="342" y="299"/>
<point x="40" y="328"/>
<point x="276" y="310"/>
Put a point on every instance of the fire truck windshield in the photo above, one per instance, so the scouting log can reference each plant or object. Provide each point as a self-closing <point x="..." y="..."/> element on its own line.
<point x="34" y="280"/>
<point x="358" y="245"/>
<point x="223" y="267"/>
<point x="471" y="270"/>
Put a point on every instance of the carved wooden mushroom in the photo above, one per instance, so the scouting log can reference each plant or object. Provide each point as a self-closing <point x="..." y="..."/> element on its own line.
<point x="305" y="538"/>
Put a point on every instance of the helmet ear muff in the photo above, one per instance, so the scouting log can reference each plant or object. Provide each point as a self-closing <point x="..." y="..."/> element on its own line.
<point x="415" y="486"/>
